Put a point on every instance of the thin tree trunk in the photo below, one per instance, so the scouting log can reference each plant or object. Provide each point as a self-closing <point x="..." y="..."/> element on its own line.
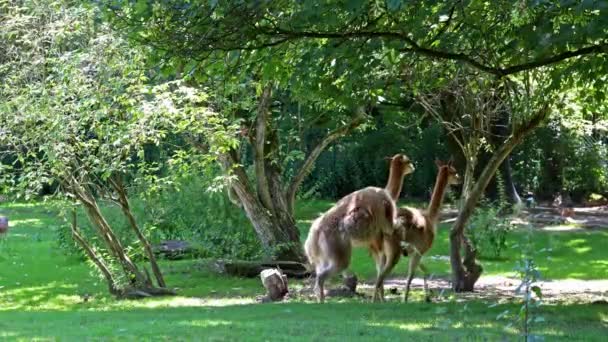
<point x="511" y="190"/>
<point x="114" y="243"/>
<point x="97" y="260"/>
<point x="260" y="146"/>
<point x="111" y="240"/>
<point x="126" y="209"/>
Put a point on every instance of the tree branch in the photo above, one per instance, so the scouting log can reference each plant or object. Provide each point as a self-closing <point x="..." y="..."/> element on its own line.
<point x="260" y="144"/>
<point x="93" y="256"/>
<point x="599" y="48"/>
<point x="314" y="154"/>
<point x="413" y="47"/>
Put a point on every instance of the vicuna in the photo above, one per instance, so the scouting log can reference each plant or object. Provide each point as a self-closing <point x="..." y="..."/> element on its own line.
<point x="362" y="218"/>
<point x="416" y="229"/>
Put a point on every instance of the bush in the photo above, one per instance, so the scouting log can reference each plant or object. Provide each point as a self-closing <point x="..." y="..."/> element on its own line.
<point x="187" y="211"/>
<point x="488" y="231"/>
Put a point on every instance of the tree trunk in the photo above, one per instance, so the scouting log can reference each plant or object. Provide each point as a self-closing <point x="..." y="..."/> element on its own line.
<point x="270" y="208"/>
<point x="466" y="272"/>
<point x="90" y="252"/>
<point x="308" y="164"/>
<point x="279" y="234"/>
<point x="105" y="231"/>
<point x="276" y="232"/>
<point x="500" y="132"/>
<point x="123" y="201"/>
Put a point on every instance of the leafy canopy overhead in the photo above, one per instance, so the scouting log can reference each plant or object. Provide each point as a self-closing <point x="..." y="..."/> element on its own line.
<point x="498" y="37"/>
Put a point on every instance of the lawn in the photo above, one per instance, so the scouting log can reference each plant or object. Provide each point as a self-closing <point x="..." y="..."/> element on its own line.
<point x="42" y="291"/>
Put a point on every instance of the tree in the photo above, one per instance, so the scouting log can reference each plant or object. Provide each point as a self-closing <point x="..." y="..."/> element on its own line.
<point x="71" y="115"/>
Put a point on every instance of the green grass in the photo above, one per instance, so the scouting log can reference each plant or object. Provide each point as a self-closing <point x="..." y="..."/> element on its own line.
<point x="41" y="288"/>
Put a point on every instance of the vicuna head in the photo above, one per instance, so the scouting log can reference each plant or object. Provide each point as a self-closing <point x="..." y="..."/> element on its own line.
<point x="401" y="165"/>
<point x="452" y="175"/>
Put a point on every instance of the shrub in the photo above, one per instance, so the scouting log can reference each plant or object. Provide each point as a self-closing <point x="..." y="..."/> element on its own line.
<point x="185" y="211"/>
<point x="488" y="231"/>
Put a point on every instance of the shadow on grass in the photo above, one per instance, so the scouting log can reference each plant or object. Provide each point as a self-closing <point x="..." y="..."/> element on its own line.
<point x="301" y="321"/>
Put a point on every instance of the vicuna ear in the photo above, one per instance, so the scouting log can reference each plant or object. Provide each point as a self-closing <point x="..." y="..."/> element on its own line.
<point x="451" y="161"/>
<point x="439" y="163"/>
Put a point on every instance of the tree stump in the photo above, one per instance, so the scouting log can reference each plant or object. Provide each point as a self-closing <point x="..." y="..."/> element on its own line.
<point x="3" y="224"/>
<point x="275" y="283"/>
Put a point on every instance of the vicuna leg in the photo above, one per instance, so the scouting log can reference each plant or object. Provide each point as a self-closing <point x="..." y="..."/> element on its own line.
<point x="392" y="253"/>
<point x="414" y="261"/>
<point x="425" y="271"/>
<point x="379" y="258"/>
<point x="336" y="257"/>
<point x="323" y="272"/>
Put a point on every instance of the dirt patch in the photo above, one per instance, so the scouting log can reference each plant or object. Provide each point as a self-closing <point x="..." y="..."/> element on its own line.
<point x="504" y="288"/>
<point x="551" y="218"/>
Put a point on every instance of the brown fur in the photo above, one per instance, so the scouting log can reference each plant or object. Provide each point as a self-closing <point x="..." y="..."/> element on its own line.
<point x="361" y="218"/>
<point x="417" y="228"/>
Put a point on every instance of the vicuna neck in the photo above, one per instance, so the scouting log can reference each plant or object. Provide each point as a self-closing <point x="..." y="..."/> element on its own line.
<point x="438" y="192"/>
<point x="395" y="181"/>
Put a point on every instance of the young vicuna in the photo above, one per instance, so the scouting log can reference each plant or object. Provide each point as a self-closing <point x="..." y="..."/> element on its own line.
<point x="361" y="218"/>
<point x="415" y="229"/>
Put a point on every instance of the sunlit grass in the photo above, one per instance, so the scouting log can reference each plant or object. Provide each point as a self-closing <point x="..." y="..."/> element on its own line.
<point x="43" y="291"/>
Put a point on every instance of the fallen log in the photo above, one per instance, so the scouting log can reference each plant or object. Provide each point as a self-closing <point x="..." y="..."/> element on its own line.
<point x="173" y="249"/>
<point x="252" y="269"/>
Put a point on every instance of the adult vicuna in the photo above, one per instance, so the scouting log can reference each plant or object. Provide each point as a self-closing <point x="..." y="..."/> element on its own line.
<point x="416" y="229"/>
<point x="361" y="218"/>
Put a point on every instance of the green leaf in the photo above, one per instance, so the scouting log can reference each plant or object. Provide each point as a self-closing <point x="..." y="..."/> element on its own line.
<point x="537" y="291"/>
<point x="141" y="7"/>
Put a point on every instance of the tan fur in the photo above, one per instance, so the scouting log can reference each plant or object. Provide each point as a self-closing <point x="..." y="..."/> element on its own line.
<point x="361" y="218"/>
<point x="417" y="228"/>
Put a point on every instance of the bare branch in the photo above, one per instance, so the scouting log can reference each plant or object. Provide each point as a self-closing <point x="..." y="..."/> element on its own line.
<point x="314" y="154"/>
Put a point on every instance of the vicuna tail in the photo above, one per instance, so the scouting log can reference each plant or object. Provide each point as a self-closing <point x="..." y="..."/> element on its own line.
<point x="311" y="246"/>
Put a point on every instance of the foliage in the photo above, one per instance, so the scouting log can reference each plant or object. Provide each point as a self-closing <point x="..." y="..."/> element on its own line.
<point x="491" y="224"/>
<point x="190" y="212"/>
<point x="561" y="158"/>
<point x="527" y="270"/>
<point x="488" y="231"/>
<point x="82" y="120"/>
<point x="359" y="160"/>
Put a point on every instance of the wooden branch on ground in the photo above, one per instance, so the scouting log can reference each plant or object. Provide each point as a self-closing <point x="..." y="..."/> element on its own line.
<point x="252" y="269"/>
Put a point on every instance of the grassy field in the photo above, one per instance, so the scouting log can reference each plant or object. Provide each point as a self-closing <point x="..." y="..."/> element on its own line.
<point x="42" y="289"/>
